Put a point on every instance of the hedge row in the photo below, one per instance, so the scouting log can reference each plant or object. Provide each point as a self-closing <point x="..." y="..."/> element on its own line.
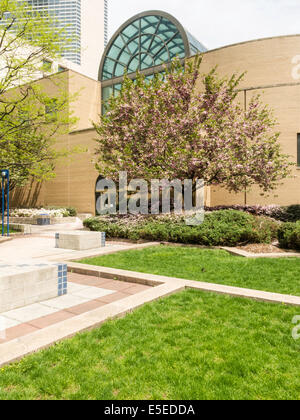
<point x="289" y="236"/>
<point x="283" y="214"/>
<point x="220" y="228"/>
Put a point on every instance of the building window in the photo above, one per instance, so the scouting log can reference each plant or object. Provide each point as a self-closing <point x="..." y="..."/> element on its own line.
<point x="51" y="110"/>
<point x="47" y="66"/>
<point x="147" y="42"/>
<point x="61" y="68"/>
<point x="144" y="43"/>
<point x="298" y="150"/>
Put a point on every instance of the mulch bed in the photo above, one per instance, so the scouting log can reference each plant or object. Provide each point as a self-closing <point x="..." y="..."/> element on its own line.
<point x="264" y="249"/>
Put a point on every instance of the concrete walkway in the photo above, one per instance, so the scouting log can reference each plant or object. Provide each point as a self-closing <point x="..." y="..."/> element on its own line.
<point x="85" y="293"/>
<point x="41" y="245"/>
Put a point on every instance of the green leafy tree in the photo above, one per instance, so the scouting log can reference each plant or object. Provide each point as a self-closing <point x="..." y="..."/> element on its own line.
<point x="167" y="128"/>
<point x="33" y="114"/>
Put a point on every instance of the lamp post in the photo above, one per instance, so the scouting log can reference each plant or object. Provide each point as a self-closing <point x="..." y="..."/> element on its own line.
<point x="5" y="177"/>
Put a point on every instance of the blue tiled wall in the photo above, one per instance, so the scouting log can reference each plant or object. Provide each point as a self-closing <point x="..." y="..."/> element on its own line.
<point x="62" y="279"/>
<point x="103" y="238"/>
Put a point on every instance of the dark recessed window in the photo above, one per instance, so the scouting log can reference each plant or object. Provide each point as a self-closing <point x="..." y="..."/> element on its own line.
<point x="51" y="110"/>
<point x="298" y="149"/>
<point x="47" y="66"/>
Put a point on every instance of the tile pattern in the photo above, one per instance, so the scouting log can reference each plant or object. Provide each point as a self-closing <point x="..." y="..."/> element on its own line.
<point x="103" y="239"/>
<point x="62" y="279"/>
<point x="85" y="294"/>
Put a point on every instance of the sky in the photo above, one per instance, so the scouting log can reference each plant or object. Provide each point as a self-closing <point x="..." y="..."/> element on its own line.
<point x="218" y="22"/>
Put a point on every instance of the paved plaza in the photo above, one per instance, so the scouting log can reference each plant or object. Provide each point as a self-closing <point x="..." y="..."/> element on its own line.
<point x="85" y="294"/>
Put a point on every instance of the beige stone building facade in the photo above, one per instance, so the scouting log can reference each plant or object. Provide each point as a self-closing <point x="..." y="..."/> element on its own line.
<point x="272" y="70"/>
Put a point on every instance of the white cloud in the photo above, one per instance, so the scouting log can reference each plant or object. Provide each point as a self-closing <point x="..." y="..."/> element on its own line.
<point x="218" y="22"/>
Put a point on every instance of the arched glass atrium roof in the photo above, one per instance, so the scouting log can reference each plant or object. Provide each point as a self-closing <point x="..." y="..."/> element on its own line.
<point x="147" y="40"/>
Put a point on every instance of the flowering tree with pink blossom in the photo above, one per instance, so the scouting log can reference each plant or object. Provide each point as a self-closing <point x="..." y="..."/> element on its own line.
<point x="171" y="128"/>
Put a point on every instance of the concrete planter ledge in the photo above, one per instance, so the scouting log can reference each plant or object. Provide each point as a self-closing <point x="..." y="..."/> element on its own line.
<point x="34" y="220"/>
<point x="237" y="252"/>
<point x="242" y="253"/>
<point x="4" y="239"/>
<point x="154" y="280"/>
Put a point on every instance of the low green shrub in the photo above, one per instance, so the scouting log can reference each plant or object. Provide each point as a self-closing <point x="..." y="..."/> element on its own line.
<point x="291" y="213"/>
<point x="220" y="228"/>
<point x="71" y="211"/>
<point x="280" y="213"/>
<point x="289" y="236"/>
<point x="66" y="211"/>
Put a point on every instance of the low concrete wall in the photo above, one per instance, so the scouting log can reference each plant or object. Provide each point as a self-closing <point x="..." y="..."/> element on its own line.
<point x="26" y="229"/>
<point x="64" y="220"/>
<point x="33" y="220"/>
<point x="28" y="283"/>
<point x="84" y="216"/>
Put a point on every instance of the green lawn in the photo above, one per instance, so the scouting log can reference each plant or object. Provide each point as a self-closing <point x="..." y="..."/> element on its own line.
<point x="5" y="229"/>
<point x="192" y="345"/>
<point x="213" y="266"/>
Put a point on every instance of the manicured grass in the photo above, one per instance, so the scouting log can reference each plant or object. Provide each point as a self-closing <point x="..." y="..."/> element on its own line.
<point x="192" y="345"/>
<point x="5" y="229"/>
<point x="212" y="266"/>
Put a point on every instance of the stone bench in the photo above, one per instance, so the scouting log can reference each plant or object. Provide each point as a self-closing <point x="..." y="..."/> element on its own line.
<point x="80" y="240"/>
<point x="23" y="284"/>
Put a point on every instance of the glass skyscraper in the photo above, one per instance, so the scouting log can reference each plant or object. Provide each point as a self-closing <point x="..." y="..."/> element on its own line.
<point x="66" y="14"/>
<point x="85" y="24"/>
